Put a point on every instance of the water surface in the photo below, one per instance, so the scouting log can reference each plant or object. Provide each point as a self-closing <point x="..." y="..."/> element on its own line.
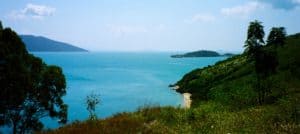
<point x="125" y="81"/>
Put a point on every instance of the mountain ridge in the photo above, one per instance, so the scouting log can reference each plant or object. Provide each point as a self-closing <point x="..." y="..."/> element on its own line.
<point x="43" y="44"/>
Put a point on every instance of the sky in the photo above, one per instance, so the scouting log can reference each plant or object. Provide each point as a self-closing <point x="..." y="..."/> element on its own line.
<point x="149" y="25"/>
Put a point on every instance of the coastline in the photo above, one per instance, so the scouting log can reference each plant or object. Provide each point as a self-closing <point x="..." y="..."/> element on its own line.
<point x="187" y="101"/>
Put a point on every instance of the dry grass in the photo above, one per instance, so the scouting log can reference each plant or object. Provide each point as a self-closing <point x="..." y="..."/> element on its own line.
<point x="206" y="119"/>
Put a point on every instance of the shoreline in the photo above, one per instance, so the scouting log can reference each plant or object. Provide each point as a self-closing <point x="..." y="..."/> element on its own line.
<point x="187" y="101"/>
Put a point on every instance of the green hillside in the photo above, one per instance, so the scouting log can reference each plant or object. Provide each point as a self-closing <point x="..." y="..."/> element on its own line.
<point x="225" y="100"/>
<point x="235" y="77"/>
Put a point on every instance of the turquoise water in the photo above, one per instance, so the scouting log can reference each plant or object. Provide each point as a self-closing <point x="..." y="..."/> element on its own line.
<point x="124" y="81"/>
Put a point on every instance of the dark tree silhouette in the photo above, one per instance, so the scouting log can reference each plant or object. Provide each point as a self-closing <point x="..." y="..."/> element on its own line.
<point x="29" y="89"/>
<point x="256" y="31"/>
<point x="1" y="27"/>
<point x="277" y="36"/>
<point x="92" y="101"/>
<point x="254" y="39"/>
<point x="254" y="52"/>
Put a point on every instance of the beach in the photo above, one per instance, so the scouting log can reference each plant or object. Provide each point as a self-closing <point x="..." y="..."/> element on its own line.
<point x="187" y="100"/>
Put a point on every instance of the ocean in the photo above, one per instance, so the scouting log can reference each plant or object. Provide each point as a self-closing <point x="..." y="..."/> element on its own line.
<point x="124" y="81"/>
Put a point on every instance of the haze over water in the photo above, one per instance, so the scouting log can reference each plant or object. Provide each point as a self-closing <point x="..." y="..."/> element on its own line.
<point x="125" y="81"/>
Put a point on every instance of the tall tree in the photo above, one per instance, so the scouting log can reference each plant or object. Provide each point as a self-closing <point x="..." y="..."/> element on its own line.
<point x="265" y="61"/>
<point x="29" y="89"/>
<point x="254" y="52"/>
<point x="254" y="41"/>
<point x="277" y="36"/>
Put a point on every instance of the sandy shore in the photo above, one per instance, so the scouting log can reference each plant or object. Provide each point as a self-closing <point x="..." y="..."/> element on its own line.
<point x="175" y="87"/>
<point x="187" y="100"/>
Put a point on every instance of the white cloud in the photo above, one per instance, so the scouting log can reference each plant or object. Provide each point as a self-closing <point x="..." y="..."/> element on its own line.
<point x="201" y="18"/>
<point x="242" y="10"/>
<point x="38" y="10"/>
<point x="32" y="11"/>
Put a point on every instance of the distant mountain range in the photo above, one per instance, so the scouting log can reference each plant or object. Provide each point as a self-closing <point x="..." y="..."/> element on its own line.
<point x="43" y="44"/>
<point x="201" y="53"/>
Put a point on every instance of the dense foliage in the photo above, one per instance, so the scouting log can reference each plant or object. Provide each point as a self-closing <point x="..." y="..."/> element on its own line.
<point x="29" y="89"/>
<point x="277" y="36"/>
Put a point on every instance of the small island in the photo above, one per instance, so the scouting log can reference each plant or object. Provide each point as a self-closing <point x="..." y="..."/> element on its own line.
<point x="200" y="53"/>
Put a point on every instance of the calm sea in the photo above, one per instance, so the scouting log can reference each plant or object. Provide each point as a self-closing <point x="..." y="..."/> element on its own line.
<point x="124" y="81"/>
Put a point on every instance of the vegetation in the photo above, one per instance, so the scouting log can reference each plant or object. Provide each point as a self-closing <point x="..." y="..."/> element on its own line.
<point x="92" y="101"/>
<point x="277" y="36"/>
<point x="265" y="60"/>
<point x="209" y="117"/>
<point x="30" y="89"/>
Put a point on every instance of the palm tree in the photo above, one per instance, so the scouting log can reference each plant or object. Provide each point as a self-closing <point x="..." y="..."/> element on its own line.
<point x="254" y="38"/>
<point x="256" y="30"/>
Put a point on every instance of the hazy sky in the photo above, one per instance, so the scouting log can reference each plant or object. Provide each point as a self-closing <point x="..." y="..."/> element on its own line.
<point x="148" y="25"/>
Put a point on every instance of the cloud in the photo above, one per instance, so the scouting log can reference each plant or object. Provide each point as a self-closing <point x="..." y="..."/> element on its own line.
<point x="283" y="4"/>
<point x="201" y="18"/>
<point x="32" y="11"/>
<point x="38" y="10"/>
<point x="242" y="10"/>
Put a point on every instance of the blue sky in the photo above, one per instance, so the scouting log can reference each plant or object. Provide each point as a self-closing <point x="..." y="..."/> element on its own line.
<point x="148" y="25"/>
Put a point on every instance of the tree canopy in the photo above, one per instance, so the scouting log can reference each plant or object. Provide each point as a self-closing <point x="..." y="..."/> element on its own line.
<point x="255" y="37"/>
<point x="29" y="89"/>
<point x="256" y="31"/>
<point x="277" y="36"/>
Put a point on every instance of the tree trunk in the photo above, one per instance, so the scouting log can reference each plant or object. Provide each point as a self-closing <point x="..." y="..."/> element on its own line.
<point x="14" y="127"/>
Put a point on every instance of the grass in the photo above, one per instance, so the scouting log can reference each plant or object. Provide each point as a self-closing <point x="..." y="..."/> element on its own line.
<point x="211" y="117"/>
